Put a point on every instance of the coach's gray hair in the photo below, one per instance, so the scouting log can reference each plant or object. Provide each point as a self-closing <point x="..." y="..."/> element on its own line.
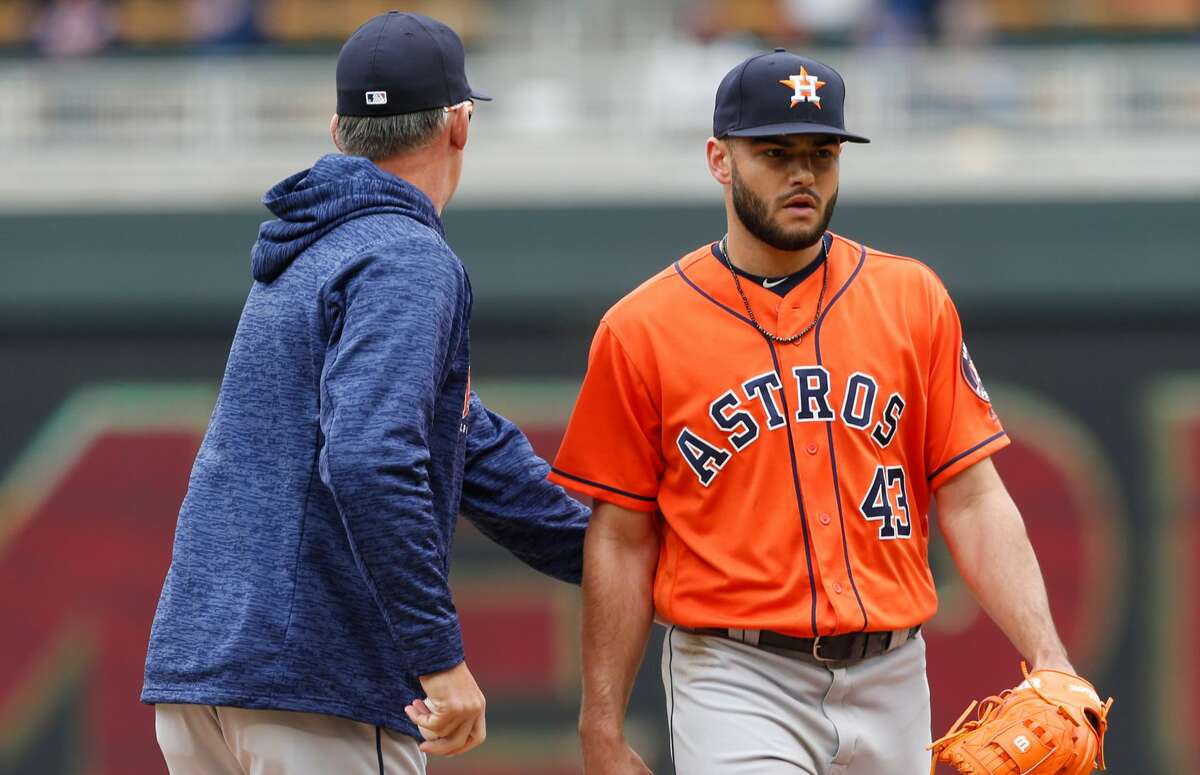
<point x="379" y="137"/>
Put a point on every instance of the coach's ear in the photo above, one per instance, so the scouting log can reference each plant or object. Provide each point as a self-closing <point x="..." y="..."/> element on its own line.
<point x="459" y="121"/>
<point x="333" y="131"/>
<point x="718" y="160"/>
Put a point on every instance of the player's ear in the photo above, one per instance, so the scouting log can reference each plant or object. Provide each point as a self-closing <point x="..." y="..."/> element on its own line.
<point x="719" y="161"/>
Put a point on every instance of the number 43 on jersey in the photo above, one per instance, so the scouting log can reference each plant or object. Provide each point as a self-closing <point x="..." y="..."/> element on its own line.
<point x="888" y="488"/>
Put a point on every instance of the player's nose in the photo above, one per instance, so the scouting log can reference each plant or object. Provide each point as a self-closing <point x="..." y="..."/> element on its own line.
<point x="800" y="174"/>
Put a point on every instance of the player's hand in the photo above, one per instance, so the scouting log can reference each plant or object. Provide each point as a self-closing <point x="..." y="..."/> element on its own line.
<point x="606" y="755"/>
<point x="451" y="717"/>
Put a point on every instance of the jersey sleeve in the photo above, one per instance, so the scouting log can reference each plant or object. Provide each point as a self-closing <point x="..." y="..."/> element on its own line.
<point x="961" y="426"/>
<point x="612" y="449"/>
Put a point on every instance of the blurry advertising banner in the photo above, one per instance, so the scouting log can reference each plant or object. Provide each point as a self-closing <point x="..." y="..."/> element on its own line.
<point x="87" y="510"/>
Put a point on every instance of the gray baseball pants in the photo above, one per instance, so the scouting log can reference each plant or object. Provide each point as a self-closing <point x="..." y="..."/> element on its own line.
<point x="207" y="740"/>
<point x="736" y="709"/>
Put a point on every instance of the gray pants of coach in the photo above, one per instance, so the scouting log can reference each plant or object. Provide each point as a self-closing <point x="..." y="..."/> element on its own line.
<point x="736" y="709"/>
<point x="207" y="740"/>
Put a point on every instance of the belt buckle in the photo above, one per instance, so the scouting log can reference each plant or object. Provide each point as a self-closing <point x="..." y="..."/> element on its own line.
<point x="816" y="650"/>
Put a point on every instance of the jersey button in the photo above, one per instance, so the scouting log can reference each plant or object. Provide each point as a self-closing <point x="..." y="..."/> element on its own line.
<point x="837" y="588"/>
<point x="825" y="519"/>
<point x="812" y="448"/>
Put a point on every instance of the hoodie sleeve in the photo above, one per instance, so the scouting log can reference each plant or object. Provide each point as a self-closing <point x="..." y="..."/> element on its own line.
<point x="507" y="496"/>
<point x="393" y="325"/>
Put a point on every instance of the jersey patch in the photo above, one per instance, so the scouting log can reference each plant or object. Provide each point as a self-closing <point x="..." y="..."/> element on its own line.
<point x="971" y="375"/>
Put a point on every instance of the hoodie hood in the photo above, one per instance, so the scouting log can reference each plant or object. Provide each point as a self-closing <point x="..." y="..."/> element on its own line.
<point x="337" y="189"/>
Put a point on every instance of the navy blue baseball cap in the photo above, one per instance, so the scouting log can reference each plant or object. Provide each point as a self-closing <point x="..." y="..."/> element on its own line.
<point x="402" y="63"/>
<point x="781" y="94"/>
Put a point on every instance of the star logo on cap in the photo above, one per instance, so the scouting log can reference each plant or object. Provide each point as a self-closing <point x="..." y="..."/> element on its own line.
<point x="805" y="87"/>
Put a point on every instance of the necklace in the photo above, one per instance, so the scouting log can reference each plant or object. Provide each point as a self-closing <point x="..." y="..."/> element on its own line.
<point x="724" y="246"/>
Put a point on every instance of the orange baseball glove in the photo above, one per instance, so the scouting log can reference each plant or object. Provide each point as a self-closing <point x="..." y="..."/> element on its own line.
<point x="1051" y="724"/>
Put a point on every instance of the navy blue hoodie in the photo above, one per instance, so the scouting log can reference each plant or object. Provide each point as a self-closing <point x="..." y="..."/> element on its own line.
<point x="309" y="571"/>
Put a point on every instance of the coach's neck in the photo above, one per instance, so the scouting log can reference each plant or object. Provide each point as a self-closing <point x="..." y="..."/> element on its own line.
<point x="435" y="173"/>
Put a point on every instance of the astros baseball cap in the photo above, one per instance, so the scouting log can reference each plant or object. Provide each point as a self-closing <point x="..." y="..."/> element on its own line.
<point x="402" y="63"/>
<point x="781" y="93"/>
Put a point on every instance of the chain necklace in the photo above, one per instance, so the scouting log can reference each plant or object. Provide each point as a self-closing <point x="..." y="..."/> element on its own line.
<point x="794" y="338"/>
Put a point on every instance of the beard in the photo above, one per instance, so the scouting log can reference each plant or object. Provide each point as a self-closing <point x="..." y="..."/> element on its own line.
<point x="755" y="214"/>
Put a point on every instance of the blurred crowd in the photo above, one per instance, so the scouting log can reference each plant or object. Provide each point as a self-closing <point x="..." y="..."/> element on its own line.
<point x="71" y="28"/>
<point x="67" y="28"/>
<point x="886" y="22"/>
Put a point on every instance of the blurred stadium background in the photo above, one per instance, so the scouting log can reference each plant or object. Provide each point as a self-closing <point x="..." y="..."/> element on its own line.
<point x="1043" y="157"/>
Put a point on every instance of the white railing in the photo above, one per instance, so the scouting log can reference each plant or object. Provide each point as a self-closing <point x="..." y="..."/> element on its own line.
<point x="569" y="123"/>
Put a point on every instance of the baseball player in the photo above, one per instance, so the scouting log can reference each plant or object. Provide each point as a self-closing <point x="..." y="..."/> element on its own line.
<point x="764" y="425"/>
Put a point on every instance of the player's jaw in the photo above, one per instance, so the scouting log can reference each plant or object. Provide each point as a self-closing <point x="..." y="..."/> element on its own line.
<point x="792" y="221"/>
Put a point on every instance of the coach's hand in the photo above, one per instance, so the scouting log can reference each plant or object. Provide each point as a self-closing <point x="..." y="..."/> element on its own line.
<point x="605" y="754"/>
<point x="451" y="717"/>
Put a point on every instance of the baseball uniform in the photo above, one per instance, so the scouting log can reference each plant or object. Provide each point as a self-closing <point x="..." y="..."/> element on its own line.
<point x="792" y="482"/>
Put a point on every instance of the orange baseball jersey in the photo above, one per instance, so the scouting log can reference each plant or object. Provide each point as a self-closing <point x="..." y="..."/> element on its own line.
<point x="793" y="481"/>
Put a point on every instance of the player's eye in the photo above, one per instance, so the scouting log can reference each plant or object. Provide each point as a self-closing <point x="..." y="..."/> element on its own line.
<point x="773" y="153"/>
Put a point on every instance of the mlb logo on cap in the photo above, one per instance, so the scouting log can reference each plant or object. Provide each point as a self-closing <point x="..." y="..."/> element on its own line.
<point x="376" y="98"/>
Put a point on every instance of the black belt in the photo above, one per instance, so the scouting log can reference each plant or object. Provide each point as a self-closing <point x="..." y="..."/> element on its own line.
<point x="850" y="647"/>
